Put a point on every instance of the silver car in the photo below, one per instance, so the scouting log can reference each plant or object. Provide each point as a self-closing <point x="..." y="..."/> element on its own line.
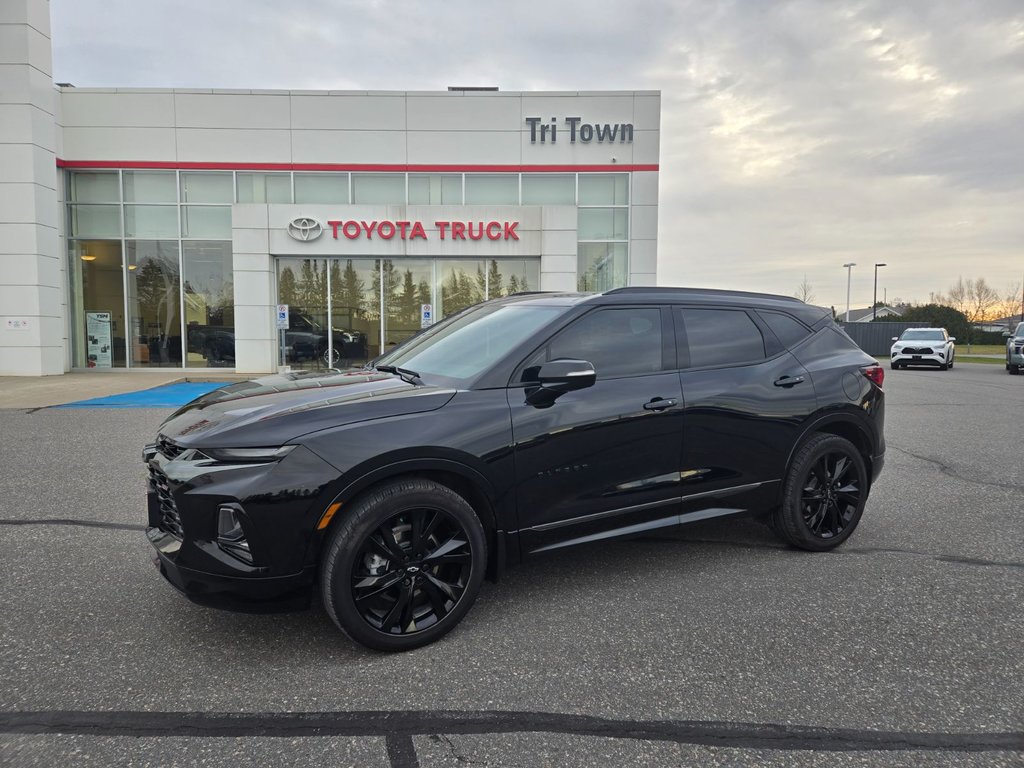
<point x="1015" y="350"/>
<point x="923" y="346"/>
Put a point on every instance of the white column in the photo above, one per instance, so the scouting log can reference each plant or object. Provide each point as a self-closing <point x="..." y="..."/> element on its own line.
<point x="32" y="339"/>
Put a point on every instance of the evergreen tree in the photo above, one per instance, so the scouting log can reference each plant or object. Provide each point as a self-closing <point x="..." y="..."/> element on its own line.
<point x="286" y="286"/>
<point x="513" y="285"/>
<point x="494" y="280"/>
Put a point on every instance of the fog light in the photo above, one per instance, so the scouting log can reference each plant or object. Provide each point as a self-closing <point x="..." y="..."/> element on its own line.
<point x="231" y="535"/>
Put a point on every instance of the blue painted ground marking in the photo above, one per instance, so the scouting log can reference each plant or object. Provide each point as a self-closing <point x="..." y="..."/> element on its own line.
<point x="167" y="396"/>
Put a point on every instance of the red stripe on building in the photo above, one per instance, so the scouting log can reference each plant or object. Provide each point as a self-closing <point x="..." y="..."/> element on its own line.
<point x="366" y="167"/>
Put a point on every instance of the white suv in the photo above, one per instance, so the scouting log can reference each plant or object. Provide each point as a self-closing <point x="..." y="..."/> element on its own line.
<point x="923" y="346"/>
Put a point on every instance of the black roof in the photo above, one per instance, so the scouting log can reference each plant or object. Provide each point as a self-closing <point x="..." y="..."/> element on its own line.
<point x="809" y="314"/>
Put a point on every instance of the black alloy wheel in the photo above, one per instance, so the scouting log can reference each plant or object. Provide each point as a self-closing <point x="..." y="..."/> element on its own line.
<point x="824" y="495"/>
<point x="404" y="566"/>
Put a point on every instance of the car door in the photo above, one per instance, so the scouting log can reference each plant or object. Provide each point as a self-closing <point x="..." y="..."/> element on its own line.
<point x="604" y="460"/>
<point x="745" y="396"/>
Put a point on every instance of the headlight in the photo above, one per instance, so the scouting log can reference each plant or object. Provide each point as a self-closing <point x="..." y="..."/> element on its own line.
<point x="245" y="455"/>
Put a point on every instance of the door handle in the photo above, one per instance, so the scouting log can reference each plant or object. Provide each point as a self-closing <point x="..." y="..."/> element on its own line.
<point x="660" y="404"/>
<point x="789" y="381"/>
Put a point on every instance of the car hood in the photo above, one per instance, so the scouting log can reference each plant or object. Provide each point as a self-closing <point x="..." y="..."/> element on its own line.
<point x="273" y="410"/>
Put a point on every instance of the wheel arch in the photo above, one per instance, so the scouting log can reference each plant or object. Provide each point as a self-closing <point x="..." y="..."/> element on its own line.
<point x="842" y="425"/>
<point x="470" y="484"/>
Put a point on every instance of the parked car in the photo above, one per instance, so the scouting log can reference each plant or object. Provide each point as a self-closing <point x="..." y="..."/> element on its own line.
<point x="1015" y="350"/>
<point x="519" y="426"/>
<point x="923" y="346"/>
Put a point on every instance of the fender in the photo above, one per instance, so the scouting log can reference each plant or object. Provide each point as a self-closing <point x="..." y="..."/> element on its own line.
<point x="851" y="416"/>
<point x="370" y="473"/>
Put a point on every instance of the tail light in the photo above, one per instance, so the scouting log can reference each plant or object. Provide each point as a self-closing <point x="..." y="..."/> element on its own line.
<point x="876" y="373"/>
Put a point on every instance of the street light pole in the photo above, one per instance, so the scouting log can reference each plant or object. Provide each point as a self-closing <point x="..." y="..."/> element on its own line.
<point x="874" y="298"/>
<point x="849" y="273"/>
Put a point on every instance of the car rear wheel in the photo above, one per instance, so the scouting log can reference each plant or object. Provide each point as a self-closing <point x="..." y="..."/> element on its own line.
<point x="404" y="566"/>
<point x="824" y="494"/>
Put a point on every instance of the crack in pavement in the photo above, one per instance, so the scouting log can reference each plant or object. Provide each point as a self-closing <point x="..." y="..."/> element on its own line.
<point x="395" y="724"/>
<point x="939" y="556"/>
<point x="80" y="523"/>
<point x="950" y="471"/>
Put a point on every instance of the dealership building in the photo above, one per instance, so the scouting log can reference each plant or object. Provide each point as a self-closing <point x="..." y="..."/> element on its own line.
<point x="252" y="230"/>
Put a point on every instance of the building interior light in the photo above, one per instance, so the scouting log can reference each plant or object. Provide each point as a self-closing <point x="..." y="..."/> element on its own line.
<point x="88" y="257"/>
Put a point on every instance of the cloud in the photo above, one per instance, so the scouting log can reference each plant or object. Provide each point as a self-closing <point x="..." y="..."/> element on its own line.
<point x="795" y="135"/>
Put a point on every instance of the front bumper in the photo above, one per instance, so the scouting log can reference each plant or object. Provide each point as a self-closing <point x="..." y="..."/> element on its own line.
<point x="902" y="358"/>
<point x="1015" y="355"/>
<point x="278" y="505"/>
<point x="268" y="594"/>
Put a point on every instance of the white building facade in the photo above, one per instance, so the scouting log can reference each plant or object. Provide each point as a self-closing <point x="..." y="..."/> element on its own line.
<point x="156" y="228"/>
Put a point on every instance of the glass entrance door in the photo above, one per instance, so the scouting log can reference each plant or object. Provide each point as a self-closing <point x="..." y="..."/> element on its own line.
<point x="355" y="328"/>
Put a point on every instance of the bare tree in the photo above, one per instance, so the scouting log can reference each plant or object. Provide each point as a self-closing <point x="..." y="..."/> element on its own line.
<point x="805" y="292"/>
<point x="1012" y="303"/>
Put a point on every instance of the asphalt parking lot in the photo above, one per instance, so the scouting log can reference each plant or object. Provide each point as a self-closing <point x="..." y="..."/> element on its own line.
<point x="713" y="646"/>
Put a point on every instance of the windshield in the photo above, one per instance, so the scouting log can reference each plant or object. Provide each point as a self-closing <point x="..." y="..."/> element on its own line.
<point x="466" y="344"/>
<point x="922" y="336"/>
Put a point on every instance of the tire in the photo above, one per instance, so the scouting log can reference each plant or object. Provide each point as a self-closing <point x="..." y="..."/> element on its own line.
<point x="894" y="366"/>
<point x="824" y="494"/>
<point x="401" y="536"/>
<point x="1014" y="370"/>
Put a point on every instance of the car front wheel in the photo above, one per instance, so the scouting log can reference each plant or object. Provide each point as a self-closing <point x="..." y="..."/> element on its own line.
<point x="824" y="494"/>
<point x="404" y="566"/>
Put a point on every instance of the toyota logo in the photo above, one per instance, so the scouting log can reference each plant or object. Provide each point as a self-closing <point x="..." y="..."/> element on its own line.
<point x="305" y="229"/>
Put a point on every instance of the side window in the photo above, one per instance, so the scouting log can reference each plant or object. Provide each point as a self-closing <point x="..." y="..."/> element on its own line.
<point x="721" y="337"/>
<point x="789" y="331"/>
<point x="618" y="342"/>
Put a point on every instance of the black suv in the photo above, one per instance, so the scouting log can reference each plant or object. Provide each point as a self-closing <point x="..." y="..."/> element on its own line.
<point x="520" y="425"/>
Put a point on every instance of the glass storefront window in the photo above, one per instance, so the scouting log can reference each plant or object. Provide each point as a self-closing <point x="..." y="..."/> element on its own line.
<point x="96" y="282"/>
<point x="604" y="189"/>
<point x="150" y="187"/>
<point x="603" y="223"/>
<point x="383" y="188"/>
<point x="207" y="187"/>
<point x="435" y="189"/>
<point x="206" y="221"/>
<point x="499" y="189"/>
<point x="601" y="266"/>
<point x="88" y="187"/>
<point x="508" y="276"/>
<point x="154" y="304"/>
<point x="549" y="189"/>
<point x="209" y="303"/>
<point x="321" y="187"/>
<point x="151" y="221"/>
<point x="462" y="283"/>
<point x="264" y="187"/>
<point x="95" y="221"/>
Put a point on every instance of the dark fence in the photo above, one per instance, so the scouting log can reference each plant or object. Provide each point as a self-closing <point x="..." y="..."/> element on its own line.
<point x="876" y="338"/>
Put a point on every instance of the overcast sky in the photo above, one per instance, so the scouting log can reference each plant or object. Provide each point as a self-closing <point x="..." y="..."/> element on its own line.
<point x="795" y="136"/>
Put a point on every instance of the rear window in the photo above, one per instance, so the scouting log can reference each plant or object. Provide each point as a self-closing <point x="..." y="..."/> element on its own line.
<point x="789" y="331"/>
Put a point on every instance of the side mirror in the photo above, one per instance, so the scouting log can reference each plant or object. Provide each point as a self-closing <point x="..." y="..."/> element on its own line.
<point x="558" y="377"/>
<point x="1007" y="334"/>
<point x="895" y="338"/>
<point x="952" y="338"/>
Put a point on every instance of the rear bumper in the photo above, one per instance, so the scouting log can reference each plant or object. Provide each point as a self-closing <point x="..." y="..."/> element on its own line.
<point x="877" y="462"/>
<point x="249" y="594"/>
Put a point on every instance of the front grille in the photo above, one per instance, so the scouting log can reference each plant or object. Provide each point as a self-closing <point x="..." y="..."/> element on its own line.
<point x="170" y="520"/>
<point x="919" y="351"/>
<point x="168" y="448"/>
